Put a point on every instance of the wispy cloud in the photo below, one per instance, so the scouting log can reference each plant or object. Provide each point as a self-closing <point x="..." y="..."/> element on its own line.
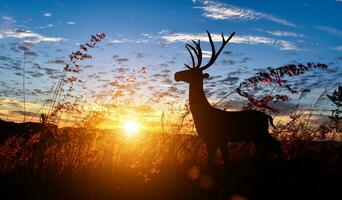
<point x="46" y="26"/>
<point x="145" y="38"/>
<point x="169" y="37"/>
<point x="220" y="11"/>
<point x="285" y="34"/>
<point x="330" y="30"/>
<point x="223" y="11"/>
<point x="244" y="39"/>
<point x="47" y="14"/>
<point x="7" y="19"/>
<point x="71" y="23"/>
<point x="337" y="48"/>
<point x="125" y="40"/>
<point x="28" y="36"/>
<point x="206" y="54"/>
<point x="278" y="20"/>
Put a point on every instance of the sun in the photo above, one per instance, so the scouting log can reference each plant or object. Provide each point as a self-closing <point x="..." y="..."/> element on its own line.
<point x="131" y="128"/>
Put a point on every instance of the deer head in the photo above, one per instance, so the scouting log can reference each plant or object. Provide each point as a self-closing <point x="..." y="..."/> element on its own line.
<point x="195" y="72"/>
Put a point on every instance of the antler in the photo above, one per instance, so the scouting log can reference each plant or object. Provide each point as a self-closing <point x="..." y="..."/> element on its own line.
<point x="198" y="52"/>
<point x="213" y="54"/>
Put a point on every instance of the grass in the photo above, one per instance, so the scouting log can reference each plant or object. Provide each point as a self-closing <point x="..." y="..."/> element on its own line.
<point x="79" y="163"/>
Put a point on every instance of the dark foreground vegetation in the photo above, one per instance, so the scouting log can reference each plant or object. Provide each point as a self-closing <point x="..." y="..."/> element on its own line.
<point x="75" y="163"/>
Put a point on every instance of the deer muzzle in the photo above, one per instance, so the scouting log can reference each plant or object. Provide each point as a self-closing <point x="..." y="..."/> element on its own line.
<point x="178" y="76"/>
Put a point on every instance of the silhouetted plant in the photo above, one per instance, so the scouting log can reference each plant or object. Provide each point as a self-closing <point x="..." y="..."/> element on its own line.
<point x="307" y="124"/>
<point x="115" y="95"/>
<point x="64" y="99"/>
<point x="275" y="76"/>
<point x="336" y="99"/>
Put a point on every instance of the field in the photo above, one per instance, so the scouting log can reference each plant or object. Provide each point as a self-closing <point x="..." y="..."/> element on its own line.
<point x="76" y="163"/>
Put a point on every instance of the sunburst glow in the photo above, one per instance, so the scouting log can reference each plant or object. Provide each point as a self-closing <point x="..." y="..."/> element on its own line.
<point x="131" y="128"/>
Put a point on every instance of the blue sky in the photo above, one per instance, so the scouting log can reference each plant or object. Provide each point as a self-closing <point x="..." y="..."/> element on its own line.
<point x="153" y="34"/>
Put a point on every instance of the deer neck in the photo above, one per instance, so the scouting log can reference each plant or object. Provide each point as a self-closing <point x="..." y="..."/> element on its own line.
<point x="197" y="99"/>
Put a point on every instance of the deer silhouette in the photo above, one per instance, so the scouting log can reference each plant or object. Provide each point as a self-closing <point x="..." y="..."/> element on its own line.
<point x="217" y="127"/>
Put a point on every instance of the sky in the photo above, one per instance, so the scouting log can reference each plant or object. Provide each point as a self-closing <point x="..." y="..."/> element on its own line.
<point x="152" y="34"/>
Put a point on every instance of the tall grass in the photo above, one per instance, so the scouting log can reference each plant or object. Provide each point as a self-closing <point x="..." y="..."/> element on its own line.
<point x="98" y="164"/>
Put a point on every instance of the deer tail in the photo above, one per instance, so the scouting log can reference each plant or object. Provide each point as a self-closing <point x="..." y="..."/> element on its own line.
<point x="271" y="120"/>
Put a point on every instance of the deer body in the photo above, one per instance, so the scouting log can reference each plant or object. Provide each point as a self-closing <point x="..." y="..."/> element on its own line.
<point x="217" y="127"/>
<point x="232" y="123"/>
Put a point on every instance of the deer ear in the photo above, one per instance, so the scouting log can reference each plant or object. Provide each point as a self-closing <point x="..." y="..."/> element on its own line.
<point x="205" y="75"/>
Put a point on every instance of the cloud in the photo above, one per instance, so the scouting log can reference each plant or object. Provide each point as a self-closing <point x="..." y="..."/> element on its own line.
<point x="38" y="70"/>
<point x="19" y="112"/>
<point x="7" y="19"/>
<point x="337" y="48"/>
<point x="160" y="75"/>
<point x="29" y="36"/>
<point x="220" y="11"/>
<point x="206" y="54"/>
<point x="12" y="64"/>
<point x="244" y="39"/>
<point x="71" y="23"/>
<point x="228" y="62"/>
<point x="35" y="73"/>
<point x="330" y="30"/>
<point x="229" y="53"/>
<point x="88" y="66"/>
<point x="229" y="80"/>
<point x="125" y="40"/>
<point x="167" y="81"/>
<point x="31" y="53"/>
<point x="140" y="54"/>
<point x="166" y="71"/>
<point x="5" y="58"/>
<point x="56" y="61"/>
<point x="121" y="70"/>
<point x="169" y="37"/>
<point x="233" y="62"/>
<point x="50" y="71"/>
<point x="10" y="102"/>
<point x="117" y="41"/>
<point x="278" y="20"/>
<point x="121" y="60"/>
<point x="47" y="14"/>
<point x="285" y="34"/>
<point x="144" y="38"/>
<point x="46" y="26"/>
<point x="24" y="47"/>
